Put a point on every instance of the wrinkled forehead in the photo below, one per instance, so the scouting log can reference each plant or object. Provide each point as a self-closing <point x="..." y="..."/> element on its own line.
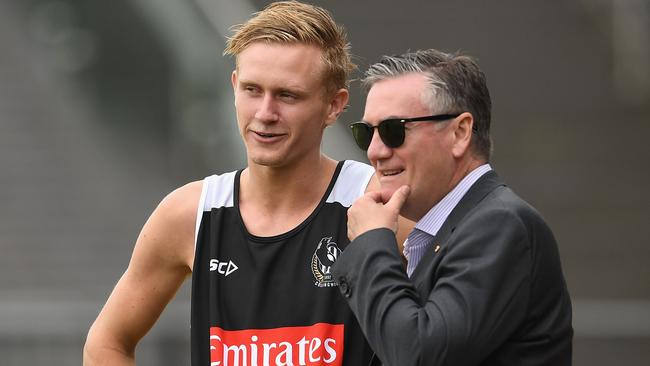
<point x="397" y="97"/>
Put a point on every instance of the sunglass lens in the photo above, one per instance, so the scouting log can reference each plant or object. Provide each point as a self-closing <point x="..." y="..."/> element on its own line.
<point x="362" y="134"/>
<point x="392" y="133"/>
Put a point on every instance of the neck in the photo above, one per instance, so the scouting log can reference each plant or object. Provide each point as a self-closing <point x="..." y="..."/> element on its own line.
<point x="278" y="187"/>
<point x="274" y="200"/>
<point x="464" y="169"/>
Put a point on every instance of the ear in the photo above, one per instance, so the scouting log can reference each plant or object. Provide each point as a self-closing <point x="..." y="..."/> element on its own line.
<point x="233" y="80"/>
<point x="462" y="134"/>
<point x="337" y="104"/>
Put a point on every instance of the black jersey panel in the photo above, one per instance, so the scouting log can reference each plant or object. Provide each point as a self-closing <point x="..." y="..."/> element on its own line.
<point x="271" y="293"/>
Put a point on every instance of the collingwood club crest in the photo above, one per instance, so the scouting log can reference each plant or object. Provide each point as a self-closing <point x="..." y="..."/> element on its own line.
<point x="322" y="261"/>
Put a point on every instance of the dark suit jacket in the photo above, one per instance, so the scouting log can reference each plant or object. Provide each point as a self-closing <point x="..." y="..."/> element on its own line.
<point x="493" y="293"/>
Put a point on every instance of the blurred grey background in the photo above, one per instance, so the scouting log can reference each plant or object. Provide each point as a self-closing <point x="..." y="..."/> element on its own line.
<point x="106" y="106"/>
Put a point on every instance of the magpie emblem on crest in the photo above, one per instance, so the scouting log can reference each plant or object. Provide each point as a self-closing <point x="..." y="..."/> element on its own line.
<point x="324" y="257"/>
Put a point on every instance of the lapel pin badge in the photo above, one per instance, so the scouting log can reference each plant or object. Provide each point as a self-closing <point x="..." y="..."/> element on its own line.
<point x="436" y="249"/>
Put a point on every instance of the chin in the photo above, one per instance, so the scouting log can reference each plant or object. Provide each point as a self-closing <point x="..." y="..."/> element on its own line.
<point x="270" y="161"/>
<point x="387" y="193"/>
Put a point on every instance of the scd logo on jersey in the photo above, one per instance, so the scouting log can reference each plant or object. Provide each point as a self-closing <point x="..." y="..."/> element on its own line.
<point x="222" y="267"/>
<point x="318" y="344"/>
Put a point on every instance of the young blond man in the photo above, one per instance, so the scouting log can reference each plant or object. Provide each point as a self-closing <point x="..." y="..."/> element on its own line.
<point x="259" y="242"/>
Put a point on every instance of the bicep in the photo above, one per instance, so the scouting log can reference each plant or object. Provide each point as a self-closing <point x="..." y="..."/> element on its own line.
<point x="160" y="263"/>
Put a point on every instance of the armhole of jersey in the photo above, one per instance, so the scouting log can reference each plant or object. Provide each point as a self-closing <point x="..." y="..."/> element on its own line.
<point x="351" y="183"/>
<point x="199" y="211"/>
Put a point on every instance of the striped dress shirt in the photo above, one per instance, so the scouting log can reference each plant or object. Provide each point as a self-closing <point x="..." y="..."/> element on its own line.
<point x="433" y="220"/>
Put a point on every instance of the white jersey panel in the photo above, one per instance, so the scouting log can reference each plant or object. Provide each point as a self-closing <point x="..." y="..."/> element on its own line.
<point x="218" y="191"/>
<point x="352" y="183"/>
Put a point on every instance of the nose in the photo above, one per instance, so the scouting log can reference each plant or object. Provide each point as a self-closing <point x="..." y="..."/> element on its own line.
<point x="266" y="110"/>
<point x="377" y="149"/>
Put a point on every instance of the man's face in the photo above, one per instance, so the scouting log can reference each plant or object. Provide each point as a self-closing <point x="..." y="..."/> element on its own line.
<point x="281" y="101"/>
<point x="425" y="161"/>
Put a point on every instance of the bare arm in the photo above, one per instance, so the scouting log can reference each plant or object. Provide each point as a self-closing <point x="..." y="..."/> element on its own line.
<point x="161" y="261"/>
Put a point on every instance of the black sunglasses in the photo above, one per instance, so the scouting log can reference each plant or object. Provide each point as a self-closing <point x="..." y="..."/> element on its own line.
<point x="391" y="130"/>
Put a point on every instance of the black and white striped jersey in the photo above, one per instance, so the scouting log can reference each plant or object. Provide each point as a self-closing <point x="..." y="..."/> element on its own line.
<point x="272" y="300"/>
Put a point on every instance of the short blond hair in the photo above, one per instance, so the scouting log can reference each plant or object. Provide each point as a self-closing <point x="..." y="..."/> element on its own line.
<point x="295" y="22"/>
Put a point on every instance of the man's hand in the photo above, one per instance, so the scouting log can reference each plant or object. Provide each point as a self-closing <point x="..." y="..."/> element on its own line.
<point x="368" y="212"/>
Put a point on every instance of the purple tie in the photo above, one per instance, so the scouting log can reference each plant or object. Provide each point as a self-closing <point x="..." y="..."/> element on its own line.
<point x="418" y="241"/>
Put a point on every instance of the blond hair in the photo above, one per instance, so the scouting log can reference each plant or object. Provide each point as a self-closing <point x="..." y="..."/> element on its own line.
<point x="295" y="22"/>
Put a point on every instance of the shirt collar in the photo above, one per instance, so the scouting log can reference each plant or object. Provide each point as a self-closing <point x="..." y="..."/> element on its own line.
<point x="433" y="220"/>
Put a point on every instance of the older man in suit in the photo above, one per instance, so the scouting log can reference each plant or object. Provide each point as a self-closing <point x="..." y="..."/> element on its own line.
<point x="483" y="284"/>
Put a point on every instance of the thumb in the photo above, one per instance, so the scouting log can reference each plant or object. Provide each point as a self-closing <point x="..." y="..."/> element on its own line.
<point x="399" y="197"/>
<point x="375" y="196"/>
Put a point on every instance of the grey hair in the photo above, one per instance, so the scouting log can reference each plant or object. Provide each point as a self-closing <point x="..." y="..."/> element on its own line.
<point x="456" y="84"/>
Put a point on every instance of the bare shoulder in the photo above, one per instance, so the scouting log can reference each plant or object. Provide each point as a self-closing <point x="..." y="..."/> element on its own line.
<point x="170" y="229"/>
<point x="177" y="211"/>
<point x="182" y="202"/>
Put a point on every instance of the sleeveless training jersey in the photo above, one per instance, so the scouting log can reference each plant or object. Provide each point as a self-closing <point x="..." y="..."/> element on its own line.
<point x="260" y="301"/>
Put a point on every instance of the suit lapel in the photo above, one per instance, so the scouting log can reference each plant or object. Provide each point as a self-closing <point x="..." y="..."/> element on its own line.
<point x="483" y="186"/>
